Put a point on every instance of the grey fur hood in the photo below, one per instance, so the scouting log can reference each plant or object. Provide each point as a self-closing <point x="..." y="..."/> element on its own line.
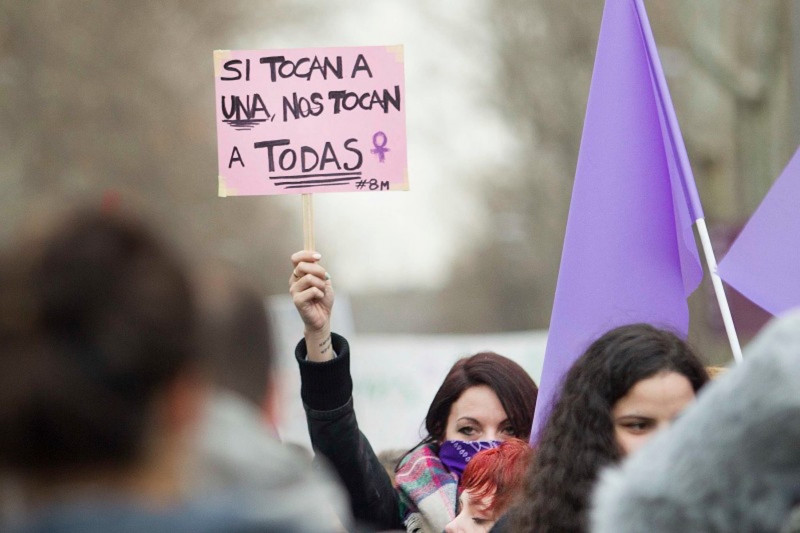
<point x="732" y="460"/>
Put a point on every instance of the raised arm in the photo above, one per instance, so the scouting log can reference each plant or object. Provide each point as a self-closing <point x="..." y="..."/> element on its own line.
<point x="312" y="292"/>
<point x="326" y="389"/>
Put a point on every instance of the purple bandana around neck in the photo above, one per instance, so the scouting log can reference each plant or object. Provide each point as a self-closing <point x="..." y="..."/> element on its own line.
<point x="455" y="454"/>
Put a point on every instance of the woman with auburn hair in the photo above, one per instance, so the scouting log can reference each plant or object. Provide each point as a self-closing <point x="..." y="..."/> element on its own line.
<point x="484" y="399"/>
<point x="631" y="382"/>
<point x="491" y="481"/>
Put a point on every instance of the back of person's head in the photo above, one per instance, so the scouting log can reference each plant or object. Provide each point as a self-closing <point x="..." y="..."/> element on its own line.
<point x="235" y="334"/>
<point x="513" y="386"/>
<point x="579" y="436"/>
<point x="96" y="321"/>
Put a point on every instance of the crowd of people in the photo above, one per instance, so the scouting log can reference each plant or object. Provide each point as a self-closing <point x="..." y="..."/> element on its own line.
<point x="137" y="393"/>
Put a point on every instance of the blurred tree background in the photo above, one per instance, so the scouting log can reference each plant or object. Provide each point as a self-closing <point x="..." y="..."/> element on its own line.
<point x="732" y="67"/>
<point x="111" y="101"/>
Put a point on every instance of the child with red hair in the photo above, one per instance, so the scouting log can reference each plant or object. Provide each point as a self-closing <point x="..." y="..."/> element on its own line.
<point x="490" y="482"/>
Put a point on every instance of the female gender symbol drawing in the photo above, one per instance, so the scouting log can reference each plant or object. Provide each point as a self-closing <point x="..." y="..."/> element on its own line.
<point x="379" y="141"/>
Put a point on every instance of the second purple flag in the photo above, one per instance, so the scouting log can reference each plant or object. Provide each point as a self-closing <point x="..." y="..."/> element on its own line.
<point x="762" y="262"/>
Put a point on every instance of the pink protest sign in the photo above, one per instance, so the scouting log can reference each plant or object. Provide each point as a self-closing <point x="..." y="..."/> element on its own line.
<point x="310" y="120"/>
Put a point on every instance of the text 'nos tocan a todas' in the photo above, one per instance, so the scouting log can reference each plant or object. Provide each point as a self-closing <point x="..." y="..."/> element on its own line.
<point x="310" y="120"/>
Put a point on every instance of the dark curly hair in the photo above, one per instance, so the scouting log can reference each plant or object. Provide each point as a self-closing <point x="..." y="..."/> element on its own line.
<point x="578" y="438"/>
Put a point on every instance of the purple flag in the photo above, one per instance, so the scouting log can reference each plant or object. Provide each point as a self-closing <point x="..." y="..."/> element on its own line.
<point x="629" y="253"/>
<point x="763" y="262"/>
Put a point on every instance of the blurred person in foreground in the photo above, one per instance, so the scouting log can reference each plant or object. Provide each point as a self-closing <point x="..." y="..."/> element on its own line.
<point x="630" y="383"/>
<point x="101" y="384"/>
<point x="491" y="481"/>
<point x="732" y="460"/>
<point x="238" y="447"/>
<point x="484" y="399"/>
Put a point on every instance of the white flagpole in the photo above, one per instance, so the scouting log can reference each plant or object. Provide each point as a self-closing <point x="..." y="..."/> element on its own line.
<point x="719" y="290"/>
<point x="688" y="182"/>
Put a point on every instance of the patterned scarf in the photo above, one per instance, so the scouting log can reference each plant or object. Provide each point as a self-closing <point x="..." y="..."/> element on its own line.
<point x="428" y="491"/>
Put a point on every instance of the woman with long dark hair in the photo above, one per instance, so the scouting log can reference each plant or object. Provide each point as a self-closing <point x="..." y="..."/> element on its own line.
<point x="484" y="399"/>
<point x="631" y="382"/>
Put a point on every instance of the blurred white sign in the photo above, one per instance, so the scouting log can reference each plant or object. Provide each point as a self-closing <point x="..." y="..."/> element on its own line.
<point x="394" y="376"/>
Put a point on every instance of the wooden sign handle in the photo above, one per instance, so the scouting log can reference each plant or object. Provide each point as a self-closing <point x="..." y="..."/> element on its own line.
<point x="308" y="222"/>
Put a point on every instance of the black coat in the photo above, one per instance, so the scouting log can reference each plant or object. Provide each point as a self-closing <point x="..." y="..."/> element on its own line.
<point x="327" y="392"/>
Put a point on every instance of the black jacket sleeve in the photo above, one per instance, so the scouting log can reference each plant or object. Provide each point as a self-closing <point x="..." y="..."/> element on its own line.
<point x="326" y="389"/>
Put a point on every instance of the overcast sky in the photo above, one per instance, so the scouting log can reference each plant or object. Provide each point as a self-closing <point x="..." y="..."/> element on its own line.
<point x="408" y="239"/>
